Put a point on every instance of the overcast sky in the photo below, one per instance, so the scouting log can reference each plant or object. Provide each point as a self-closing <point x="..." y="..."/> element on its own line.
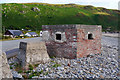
<point x="110" y="4"/>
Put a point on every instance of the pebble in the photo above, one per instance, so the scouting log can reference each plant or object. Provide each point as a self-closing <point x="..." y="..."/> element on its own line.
<point x="61" y="68"/>
<point x="104" y="65"/>
<point x="16" y="74"/>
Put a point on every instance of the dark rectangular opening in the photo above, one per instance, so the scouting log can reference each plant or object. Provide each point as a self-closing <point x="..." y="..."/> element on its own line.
<point x="90" y="36"/>
<point x="58" y="36"/>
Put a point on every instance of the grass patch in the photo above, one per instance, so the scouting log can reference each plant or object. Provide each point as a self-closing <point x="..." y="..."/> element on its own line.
<point x="36" y="65"/>
<point x="56" y="65"/>
<point x="35" y="74"/>
<point x="11" y="67"/>
<point x="30" y="67"/>
<point x="20" y="71"/>
<point x="52" y="61"/>
<point x="18" y="68"/>
<point x="46" y="73"/>
<point x="83" y="13"/>
<point x="102" y="13"/>
<point x="11" y="64"/>
<point x="41" y="71"/>
<point x="30" y="76"/>
<point x="21" y="16"/>
<point x="52" y="56"/>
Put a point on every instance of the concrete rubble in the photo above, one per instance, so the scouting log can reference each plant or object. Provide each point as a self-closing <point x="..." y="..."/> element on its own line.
<point x="5" y="71"/>
<point x="33" y="53"/>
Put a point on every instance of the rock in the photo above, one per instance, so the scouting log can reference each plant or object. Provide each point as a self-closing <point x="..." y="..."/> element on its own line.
<point x="5" y="71"/>
<point x="33" y="54"/>
<point x="35" y="77"/>
<point x="75" y="76"/>
<point x="24" y="6"/>
<point x="46" y="69"/>
<point x="35" y="9"/>
<point x="33" y="70"/>
<point x="80" y="71"/>
<point x="38" y="70"/>
<point x="99" y="66"/>
<point x="22" y="11"/>
<point x="16" y="75"/>
<point x="75" y="63"/>
<point x="68" y="64"/>
<point x="65" y="67"/>
<point x="60" y="68"/>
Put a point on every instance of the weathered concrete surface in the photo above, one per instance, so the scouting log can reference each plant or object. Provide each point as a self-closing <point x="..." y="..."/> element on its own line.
<point x="74" y="42"/>
<point x="33" y="53"/>
<point x="4" y="67"/>
<point x="12" y="53"/>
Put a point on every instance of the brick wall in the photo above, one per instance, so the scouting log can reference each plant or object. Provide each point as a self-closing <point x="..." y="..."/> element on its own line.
<point x="87" y="46"/>
<point x="75" y="44"/>
<point x="66" y="47"/>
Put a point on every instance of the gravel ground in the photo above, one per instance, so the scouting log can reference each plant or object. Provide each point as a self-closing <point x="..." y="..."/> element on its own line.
<point x="104" y="65"/>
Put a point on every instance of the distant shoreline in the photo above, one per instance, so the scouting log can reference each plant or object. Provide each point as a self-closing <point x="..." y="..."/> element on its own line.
<point x="116" y="35"/>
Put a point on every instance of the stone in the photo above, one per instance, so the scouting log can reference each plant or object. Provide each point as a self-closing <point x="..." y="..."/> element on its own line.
<point x="35" y="77"/>
<point x="35" y="9"/>
<point x="5" y="71"/>
<point x="16" y="75"/>
<point x="33" y="70"/>
<point x="33" y="53"/>
<point x="47" y="69"/>
<point x="68" y="64"/>
<point x="96" y="67"/>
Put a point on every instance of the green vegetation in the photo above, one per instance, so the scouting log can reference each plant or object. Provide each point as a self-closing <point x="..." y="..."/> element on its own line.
<point x="34" y="74"/>
<point x="36" y="65"/>
<point x="27" y="73"/>
<point x="53" y="61"/>
<point x="0" y="35"/>
<point x="30" y="67"/>
<point x="41" y="71"/>
<point x="11" y="67"/>
<point x="34" y="15"/>
<point x="17" y="67"/>
<point x="20" y="71"/>
<point x="52" y="57"/>
<point x="56" y="65"/>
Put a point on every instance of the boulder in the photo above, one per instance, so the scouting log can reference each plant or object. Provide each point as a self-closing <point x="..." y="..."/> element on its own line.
<point x="33" y="53"/>
<point x="35" y="9"/>
<point x="5" y="71"/>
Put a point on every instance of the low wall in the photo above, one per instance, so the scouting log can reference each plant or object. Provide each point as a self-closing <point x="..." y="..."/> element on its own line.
<point x="33" y="53"/>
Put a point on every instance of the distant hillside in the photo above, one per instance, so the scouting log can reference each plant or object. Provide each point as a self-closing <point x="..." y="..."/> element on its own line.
<point x="33" y="15"/>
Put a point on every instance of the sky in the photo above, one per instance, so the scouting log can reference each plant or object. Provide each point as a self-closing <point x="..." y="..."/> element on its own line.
<point x="109" y="4"/>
